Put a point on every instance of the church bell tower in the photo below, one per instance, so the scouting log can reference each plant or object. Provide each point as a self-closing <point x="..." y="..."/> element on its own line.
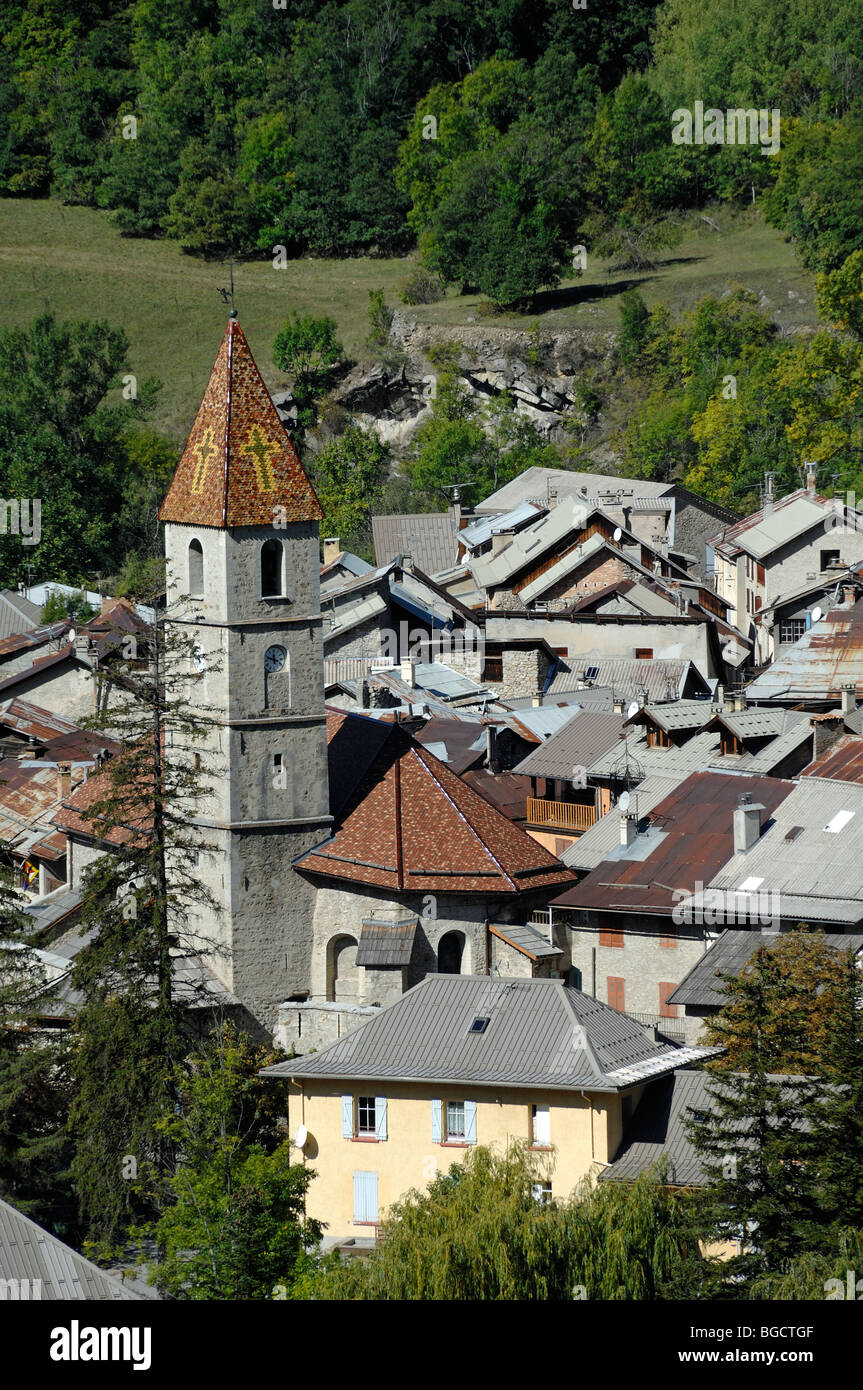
<point x="241" y="542"/>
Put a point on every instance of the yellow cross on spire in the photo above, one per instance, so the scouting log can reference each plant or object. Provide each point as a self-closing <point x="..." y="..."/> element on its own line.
<point x="203" y="453"/>
<point x="261" y="450"/>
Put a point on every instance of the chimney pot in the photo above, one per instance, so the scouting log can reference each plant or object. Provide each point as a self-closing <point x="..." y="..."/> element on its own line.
<point x="628" y="829"/>
<point x="409" y="670"/>
<point x="849" y="699"/>
<point x="64" y="780"/>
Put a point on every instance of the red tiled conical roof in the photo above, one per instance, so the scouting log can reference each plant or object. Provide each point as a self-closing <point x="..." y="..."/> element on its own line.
<point x="408" y="822"/>
<point x="239" y="468"/>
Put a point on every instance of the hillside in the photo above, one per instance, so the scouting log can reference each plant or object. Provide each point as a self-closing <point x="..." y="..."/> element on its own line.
<point x="72" y="261"/>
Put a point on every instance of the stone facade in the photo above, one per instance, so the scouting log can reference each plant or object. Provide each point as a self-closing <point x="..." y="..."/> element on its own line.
<point x="264" y="760"/>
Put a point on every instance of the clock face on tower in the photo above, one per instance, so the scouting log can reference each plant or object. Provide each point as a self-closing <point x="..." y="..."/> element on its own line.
<point x="274" y="659"/>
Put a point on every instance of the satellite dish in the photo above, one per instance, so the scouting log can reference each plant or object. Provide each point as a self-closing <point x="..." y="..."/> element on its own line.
<point x="72" y="634"/>
<point x="633" y="710"/>
<point x="301" y="1137"/>
<point x="817" y="615"/>
<point x="624" y="801"/>
<point x="617" y="533"/>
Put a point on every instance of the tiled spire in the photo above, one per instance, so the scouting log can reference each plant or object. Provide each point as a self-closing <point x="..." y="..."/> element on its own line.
<point x="239" y="468"/>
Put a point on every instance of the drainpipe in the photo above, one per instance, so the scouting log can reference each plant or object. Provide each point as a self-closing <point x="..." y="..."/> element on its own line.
<point x="586" y="1097"/>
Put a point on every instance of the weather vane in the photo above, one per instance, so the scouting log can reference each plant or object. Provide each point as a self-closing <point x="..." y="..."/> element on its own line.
<point x="228" y="294"/>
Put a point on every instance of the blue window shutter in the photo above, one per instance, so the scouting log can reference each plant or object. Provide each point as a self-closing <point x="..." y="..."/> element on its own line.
<point x="470" y="1121"/>
<point x="437" y="1121"/>
<point x="347" y="1117"/>
<point x="380" y="1117"/>
<point x="365" y="1196"/>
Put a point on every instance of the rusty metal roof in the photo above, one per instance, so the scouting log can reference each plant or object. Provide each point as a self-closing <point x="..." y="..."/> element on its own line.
<point x="843" y="761"/>
<point x="695" y="840"/>
<point x="827" y="657"/>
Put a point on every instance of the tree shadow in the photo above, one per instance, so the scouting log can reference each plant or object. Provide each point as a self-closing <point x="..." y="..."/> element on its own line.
<point x="567" y="296"/>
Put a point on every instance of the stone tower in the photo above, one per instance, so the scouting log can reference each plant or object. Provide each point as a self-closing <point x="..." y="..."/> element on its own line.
<point x="241" y="541"/>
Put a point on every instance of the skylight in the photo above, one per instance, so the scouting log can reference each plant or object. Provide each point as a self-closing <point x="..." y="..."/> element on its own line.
<point x="839" y="821"/>
<point x="479" y="1025"/>
<point x="749" y="885"/>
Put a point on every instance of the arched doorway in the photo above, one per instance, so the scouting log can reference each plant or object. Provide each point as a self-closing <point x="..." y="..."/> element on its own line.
<point x="450" y="953"/>
<point x="343" y="973"/>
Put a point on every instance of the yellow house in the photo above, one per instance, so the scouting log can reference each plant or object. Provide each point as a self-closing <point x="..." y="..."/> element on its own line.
<point x="462" y="1060"/>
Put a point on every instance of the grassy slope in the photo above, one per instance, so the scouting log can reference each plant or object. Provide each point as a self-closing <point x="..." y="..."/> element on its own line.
<point x="72" y="261"/>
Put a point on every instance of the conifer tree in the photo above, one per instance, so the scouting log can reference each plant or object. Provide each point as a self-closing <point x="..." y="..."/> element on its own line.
<point x="34" y="1080"/>
<point x="137" y="970"/>
<point x="751" y="1140"/>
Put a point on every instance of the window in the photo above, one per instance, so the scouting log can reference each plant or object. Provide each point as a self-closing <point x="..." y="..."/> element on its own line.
<point x="591" y="673"/>
<point x="667" y="1010"/>
<point x="644" y="653"/>
<point x="479" y="1025"/>
<point x="668" y="939"/>
<point x="610" y="937"/>
<point x="541" y="1192"/>
<point x="364" y="1117"/>
<point x="493" y="667"/>
<point x="792" y="629"/>
<point x="829" y="557"/>
<point x="272" y="564"/>
<point x="449" y="953"/>
<point x="616" y="992"/>
<point x="365" y="1199"/>
<point x="575" y="978"/>
<point x="453" y="1121"/>
<point x="196" y="569"/>
<point x="540" y="1126"/>
<point x="761" y="575"/>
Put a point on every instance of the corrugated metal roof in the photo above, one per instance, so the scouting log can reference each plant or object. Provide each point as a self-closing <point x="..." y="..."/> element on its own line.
<point x="540" y="1033"/>
<point x="525" y="548"/>
<point x="728" y="955"/>
<point x="582" y="739"/>
<point x="679" y="714"/>
<point x="430" y="538"/>
<point x="563" y="567"/>
<point x="17" y="614"/>
<point x="696" y="838"/>
<point x="783" y="524"/>
<point x="479" y="532"/>
<point x="818" y="873"/>
<point x="596" y="844"/>
<point x="662" y="678"/>
<point x="349" y="616"/>
<point x="697" y="752"/>
<point x="28" y="1252"/>
<point x="843" y="761"/>
<point x="536" y="483"/>
<point x="657" y="1130"/>
<point x="827" y="657"/>
<point x="525" y="939"/>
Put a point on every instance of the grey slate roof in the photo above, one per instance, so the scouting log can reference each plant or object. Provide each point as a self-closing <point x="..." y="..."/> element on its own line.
<point x="540" y="1034"/>
<point x="430" y="538"/>
<point x="695" y="754"/>
<point x="29" y="1252"/>
<point x="478" y="532"/>
<point x="581" y="740"/>
<point x="525" y="939"/>
<point x="729" y="954"/>
<point x="657" y="1129"/>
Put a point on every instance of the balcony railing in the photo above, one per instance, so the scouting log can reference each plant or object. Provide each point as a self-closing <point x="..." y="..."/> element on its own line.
<point x="560" y="815"/>
<point x="671" y="1027"/>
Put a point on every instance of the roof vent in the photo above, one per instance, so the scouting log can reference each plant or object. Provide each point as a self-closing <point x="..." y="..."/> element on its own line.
<point x="479" y="1025"/>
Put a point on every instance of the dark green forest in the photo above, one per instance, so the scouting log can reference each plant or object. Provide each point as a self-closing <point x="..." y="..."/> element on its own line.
<point x="362" y="127"/>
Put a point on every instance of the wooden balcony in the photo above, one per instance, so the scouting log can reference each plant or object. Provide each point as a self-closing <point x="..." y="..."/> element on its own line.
<point x="560" y="815"/>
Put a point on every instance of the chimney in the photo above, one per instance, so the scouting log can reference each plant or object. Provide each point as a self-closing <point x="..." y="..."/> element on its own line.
<point x="810" y="479"/>
<point x="536" y="699"/>
<point x="619" y="704"/>
<point x="491" y="747"/>
<point x="500" y="540"/>
<point x="849" y="699"/>
<point x="64" y="780"/>
<point x="729" y="701"/>
<point x="409" y="670"/>
<point x="332" y="548"/>
<point x="82" y="645"/>
<point x="740" y="701"/>
<point x="365" y="699"/>
<point x="628" y="829"/>
<point x="106" y="603"/>
<point x="747" y="823"/>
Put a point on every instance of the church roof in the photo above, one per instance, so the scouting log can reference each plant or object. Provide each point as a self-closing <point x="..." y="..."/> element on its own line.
<point x="405" y="821"/>
<point x="238" y="468"/>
